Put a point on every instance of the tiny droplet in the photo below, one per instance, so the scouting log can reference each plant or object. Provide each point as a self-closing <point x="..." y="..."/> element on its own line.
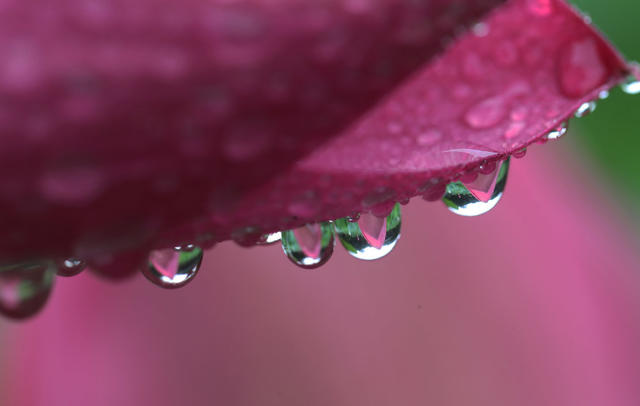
<point x="585" y="109"/>
<point x="558" y="132"/>
<point x="70" y="267"/>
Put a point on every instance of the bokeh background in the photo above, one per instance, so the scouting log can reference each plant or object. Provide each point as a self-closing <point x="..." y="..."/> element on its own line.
<point x="536" y="303"/>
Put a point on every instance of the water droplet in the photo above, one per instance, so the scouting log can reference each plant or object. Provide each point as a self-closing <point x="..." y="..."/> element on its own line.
<point x="585" y="109"/>
<point x="372" y="237"/>
<point x="268" y="239"/>
<point x="25" y="288"/>
<point x="247" y="236"/>
<point x="514" y="129"/>
<point x="603" y="95"/>
<point x="480" y="29"/>
<point x="486" y="114"/>
<point x="479" y="197"/>
<point x="172" y="268"/>
<point x="70" y="267"/>
<point x="581" y="68"/>
<point x="558" y="132"/>
<point x="429" y="137"/>
<point x="631" y="85"/>
<point x="309" y="246"/>
<point x="520" y="153"/>
<point x="353" y="218"/>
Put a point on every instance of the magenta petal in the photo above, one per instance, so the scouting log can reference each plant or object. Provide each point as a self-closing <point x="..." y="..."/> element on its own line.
<point x="176" y="122"/>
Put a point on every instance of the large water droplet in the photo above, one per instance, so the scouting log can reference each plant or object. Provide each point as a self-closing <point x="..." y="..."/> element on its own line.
<point x="558" y="132"/>
<point x="25" y="288"/>
<point x="585" y="109"/>
<point x="480" y="196"/>
<point x="70" y="267"/>
<point x="172" y="268"/>
<point x="372" y="237"/>
<point x="309" y="246"/>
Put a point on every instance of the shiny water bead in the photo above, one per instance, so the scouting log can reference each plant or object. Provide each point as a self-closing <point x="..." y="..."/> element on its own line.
<point x="25" y="288"/>
<point x="268" y="239"/>
<point x="70" y="267"/>
<point x="480" y="196"/>
<point x="520" y="153"/>
<point x="558" y="132"/>
<point x="371" y="237"/>
<point x="631" y="85"/>
<point x="172" y="268"/>
<point x="309" y="246"/>
<point x="585" y="109"/>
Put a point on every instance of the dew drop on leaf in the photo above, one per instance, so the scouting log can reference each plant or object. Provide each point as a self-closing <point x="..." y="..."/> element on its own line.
<point x="480" y="196"/>
<point x="309" y="246"/>
<point x="172" y="268"/>
<point x="371" y="237"/>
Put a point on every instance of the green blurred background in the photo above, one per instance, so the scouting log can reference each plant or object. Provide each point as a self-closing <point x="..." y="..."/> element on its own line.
<point x="610" y="136"/>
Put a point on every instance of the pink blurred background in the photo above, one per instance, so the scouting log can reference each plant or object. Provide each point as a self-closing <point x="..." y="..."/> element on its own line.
<point x="535" y="303"/>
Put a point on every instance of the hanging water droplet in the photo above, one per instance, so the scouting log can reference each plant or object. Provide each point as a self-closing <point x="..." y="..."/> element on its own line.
<point x="172" y="268"/>
<point x="603" y="95"/>
<point x="480" y="196"/>
<point x="585" y="109"/>
<point x="631" y="85"/>
<point x="372" y="237"/>
<point x="25" y="288"/>
<point x="353" y="218"/>
<point x="520" y="153"/>
<point x="309" y="246"/>
<point x="70" y="267"/>
<point x="558" y="132"/>
<point x="268" y="239"/>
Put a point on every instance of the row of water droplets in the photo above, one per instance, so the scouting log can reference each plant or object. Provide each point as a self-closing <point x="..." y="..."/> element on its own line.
<point x="369" y="237"/>
<point x="25" y="287"/>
